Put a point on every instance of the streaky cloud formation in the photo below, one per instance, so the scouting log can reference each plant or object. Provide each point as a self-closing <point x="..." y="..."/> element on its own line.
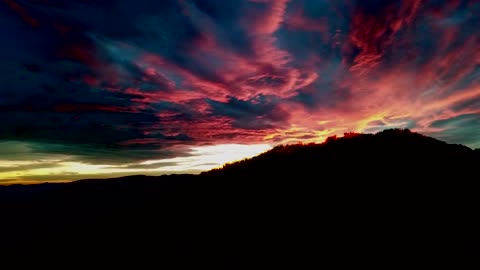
<point x="119" y="83"/>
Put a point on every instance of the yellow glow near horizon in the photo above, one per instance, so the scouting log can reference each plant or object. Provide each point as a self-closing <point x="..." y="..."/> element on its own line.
<point x="67" y="169"/>
<point x="213" y="156"/>
<point x="296" y="134"/>
<point x="201" y="158"/>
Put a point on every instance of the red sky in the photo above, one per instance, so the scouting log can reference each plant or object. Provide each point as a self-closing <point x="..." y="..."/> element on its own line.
<point x="121" y="84"/>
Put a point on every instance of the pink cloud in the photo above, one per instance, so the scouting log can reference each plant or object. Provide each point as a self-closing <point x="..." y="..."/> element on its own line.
<point x="237" y="72"/>
<point x="451" y="63"/>
<point x="176" y="96"/>
<point x="298" y="21"/>
<point x="266" y="22"/>
<point x="369" y="90"/>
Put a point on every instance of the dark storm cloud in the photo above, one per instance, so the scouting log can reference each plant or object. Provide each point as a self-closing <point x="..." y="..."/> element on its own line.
<point x="47" y="154"/>
<point x="102" y="154"/>
<point x="259" y="113"/>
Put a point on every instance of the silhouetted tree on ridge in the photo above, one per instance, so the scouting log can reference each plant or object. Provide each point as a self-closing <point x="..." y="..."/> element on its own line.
<point x="388" y="199"/>
<point x="385" y="151"/>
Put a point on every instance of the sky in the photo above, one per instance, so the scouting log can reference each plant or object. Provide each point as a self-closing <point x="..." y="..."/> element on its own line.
<point x="104" y="88"/>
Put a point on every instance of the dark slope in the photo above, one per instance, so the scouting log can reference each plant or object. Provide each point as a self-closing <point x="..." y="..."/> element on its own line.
<point x="389" y="199"/>
<point x="362" y="156"/>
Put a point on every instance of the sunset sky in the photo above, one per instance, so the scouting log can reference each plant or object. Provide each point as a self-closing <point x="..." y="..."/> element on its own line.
<point x="104" y="88"/>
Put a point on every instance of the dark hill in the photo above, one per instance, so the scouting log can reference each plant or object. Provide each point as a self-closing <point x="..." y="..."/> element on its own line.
<point x="361" y="156"/>
<point x="395" y="198"/>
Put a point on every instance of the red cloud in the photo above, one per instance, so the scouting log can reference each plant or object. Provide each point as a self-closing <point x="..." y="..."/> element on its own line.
<point x="22" y="13"/>
<point x="370" y="93"/>
<point x="82" y="53"/>
<point x="211" y="129"/>
<point x="370" y="71"/>
<point x="372" y="34"/>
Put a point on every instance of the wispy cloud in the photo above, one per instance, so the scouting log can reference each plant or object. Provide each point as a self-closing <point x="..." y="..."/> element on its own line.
<point x="118" y="83"/>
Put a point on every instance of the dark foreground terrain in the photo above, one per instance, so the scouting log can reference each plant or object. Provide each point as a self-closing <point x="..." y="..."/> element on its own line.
<point x="393" y="199"/>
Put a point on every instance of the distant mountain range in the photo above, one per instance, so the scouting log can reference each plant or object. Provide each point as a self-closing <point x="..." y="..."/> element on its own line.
<point x="395" y="198"/>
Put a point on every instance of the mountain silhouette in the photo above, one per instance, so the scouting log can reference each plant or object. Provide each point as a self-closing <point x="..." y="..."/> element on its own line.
<point x="395" y="198"/>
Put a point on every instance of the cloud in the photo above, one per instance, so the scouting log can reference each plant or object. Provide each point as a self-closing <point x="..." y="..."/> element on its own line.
<point x="121" y="82"/>
<point x="65" y="163"/>
<point x="374" y="27"/>
<point x="258" y="113"/>
<point x="463" y="127"/>
<point x="27" y="167"/>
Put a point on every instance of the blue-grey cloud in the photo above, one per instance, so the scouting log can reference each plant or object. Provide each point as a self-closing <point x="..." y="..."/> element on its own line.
<point x="128" y="81"/>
